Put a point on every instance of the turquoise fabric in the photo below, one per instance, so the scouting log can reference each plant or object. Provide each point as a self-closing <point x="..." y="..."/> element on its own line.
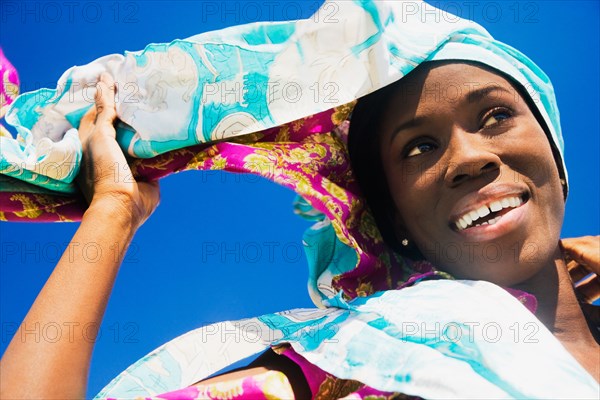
<point x="437" y="339"/>
<point x="249" y="78"/>
<point x="229" y="83"/>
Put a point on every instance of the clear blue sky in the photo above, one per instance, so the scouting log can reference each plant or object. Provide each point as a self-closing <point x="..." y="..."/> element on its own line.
<point x="224" y="246"/>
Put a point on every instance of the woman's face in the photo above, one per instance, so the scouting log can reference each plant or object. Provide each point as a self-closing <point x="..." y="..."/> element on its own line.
<point x="471" y="174"/>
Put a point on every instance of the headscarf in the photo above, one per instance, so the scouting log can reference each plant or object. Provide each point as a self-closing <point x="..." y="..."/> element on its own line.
<point x="274" y="99"/>
<point x="268" y="98"/>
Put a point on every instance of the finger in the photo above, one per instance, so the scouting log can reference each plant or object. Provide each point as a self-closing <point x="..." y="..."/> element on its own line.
<point x="105" y="99"/>
<point x="86" y="125"/>
<point x="585" y="250"/>
<point x="151" y="196"/>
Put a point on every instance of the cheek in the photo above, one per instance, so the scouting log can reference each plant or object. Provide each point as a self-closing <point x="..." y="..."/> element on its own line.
<point x="528" y="159"/>
<point x="415" y="195"/>
<point x="528" y="156"/>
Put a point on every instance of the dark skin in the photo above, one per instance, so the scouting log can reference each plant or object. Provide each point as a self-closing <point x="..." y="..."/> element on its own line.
<point x="457" y="137"/>
<point x="79" y="290"/>
<point x="463" y="153"/>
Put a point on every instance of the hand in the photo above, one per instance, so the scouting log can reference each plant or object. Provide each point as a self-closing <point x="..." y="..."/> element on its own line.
<point x="79" y="287"/>
<point x="585" y="251"/>
<point x="105" y="177"/>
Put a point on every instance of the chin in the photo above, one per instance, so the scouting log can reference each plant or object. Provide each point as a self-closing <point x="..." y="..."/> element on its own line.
<point x="506" y="274"/>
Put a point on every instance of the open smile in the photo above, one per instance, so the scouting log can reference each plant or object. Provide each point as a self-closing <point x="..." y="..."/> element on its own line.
<point x="488" y="214"/>
<point x="491" y="219"/>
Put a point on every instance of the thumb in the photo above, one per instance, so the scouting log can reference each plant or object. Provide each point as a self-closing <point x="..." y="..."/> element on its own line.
<point x="106" y="112"/>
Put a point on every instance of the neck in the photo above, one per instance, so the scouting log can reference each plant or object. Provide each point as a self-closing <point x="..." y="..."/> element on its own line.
<point x="559" y="310"/>
<point x="558" y="307"/>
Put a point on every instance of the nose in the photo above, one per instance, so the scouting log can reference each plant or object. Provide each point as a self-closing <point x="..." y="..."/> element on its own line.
<point x="470" y="156"/>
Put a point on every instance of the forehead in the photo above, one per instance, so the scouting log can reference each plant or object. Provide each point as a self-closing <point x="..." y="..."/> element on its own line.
<point x="457" y="71"/>
<point x="434" y="83"/>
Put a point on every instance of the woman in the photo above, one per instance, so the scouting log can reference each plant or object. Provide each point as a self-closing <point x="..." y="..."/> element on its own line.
<point x="428" y="163"/>
<point x="462" y="172"/>
<point x="458" y="149"/>
<point x="464" y="175"/>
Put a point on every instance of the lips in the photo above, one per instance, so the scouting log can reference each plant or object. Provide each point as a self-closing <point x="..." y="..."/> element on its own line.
<point x="487" y="214"/>
<point x="478" y="211"/>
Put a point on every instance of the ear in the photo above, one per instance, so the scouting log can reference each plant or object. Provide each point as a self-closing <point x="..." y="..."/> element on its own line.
<point x="399" y="228"/>
<point x="401" y="233"/>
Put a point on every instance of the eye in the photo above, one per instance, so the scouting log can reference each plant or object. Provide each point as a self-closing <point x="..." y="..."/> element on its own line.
<point x="496" y="116"/>
<point x="419" y="148"/>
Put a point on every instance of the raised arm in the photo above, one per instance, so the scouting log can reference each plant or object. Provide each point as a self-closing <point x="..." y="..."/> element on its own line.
<point x="77" y="291"/>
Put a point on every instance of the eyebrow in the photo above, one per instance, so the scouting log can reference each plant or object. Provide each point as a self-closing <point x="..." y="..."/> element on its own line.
<point x="413" y="123"/>
<point x="479" y="94"/>
<point x="472" y="97"/>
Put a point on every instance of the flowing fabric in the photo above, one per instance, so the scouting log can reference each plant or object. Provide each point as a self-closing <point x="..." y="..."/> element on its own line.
<point x="447" y="346"/>
<point x="9" y="88"/>
<point x="274" y="99"/>
<point x="228" y="85"/>
<point x="265" y="386"/>
<point x="249" y="78"/>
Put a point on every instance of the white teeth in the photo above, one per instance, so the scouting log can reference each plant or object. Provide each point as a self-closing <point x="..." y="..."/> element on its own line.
<point x="474" y="216"/>
<point x="495" y="206"/>
<point x="483" y="211"/>
<point x="469" y="218"/>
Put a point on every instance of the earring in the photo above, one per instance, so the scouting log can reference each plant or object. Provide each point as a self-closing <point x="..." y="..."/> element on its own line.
<point x="405" y="242"/>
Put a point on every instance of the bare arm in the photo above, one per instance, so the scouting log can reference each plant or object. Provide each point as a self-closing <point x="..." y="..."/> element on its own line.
<point x="78" y="289"/>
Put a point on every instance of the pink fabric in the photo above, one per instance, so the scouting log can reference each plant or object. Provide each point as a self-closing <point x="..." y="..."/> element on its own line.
<point x="9" y="83"/>
<point x="266" y="386"/>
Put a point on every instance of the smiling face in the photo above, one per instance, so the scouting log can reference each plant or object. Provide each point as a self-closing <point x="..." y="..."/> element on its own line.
<point x="471" y="174"/>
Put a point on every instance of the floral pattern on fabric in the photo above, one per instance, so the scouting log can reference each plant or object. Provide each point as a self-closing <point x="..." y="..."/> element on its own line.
<point x="307" y="155"/>
<point x="392" y="341"/>
<point x="325" y="386"/>
<point x="270" y="385"/>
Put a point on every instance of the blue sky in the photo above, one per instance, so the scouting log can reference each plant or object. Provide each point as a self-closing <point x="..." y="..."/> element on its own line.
<point x="223" y="246"/>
